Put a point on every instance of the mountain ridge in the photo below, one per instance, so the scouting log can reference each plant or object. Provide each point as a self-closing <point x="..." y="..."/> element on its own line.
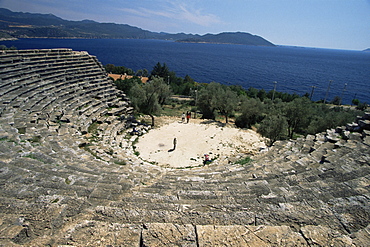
<point x="34" y="25"/>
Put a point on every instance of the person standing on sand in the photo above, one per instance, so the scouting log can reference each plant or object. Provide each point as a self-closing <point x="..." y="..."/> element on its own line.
<point x="207" y="160"/>
<point x="183" y="117"/>
<point x="188" y="115"/>
<point x="174" y="143"/>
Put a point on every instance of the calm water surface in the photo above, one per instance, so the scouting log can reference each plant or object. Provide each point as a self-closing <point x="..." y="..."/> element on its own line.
<point x="295" y="69"/>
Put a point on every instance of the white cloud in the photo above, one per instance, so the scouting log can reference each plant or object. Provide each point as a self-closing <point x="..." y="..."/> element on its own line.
<point x="134" y="12"/>
<point x="196" y="16"/>
<point x="176" y="11"/>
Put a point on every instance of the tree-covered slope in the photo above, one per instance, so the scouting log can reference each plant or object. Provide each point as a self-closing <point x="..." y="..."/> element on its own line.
<point x="29" y="25"/>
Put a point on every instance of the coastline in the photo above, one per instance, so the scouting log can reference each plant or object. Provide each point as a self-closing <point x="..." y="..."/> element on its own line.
<point x="295" y="69"/>
<point x="220" y="43"/>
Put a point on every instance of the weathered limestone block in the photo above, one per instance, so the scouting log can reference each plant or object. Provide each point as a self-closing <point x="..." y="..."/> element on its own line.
<point x="353" y="127"/>
<point x="324" y="236"/>
<point x="310" y="137"/>
<point x="345" y="134"/>
<point x="366" y="133"/>
<point x="258" y="188"/>
<point x="93" y="233"/>
<point x="237" y="235"/>
<point x="340" y="129"/>
<point x="63" y="130"/>
<point x="106" y="191"/>
<point x="278" y="235"/>
<point x="362" y="237"/>
<point x="367" y="115"/>
<point x="66" y="118"/>
<point x="307" y="147"/>
<point x="165" y="234"/>
<point x="339" y="144"/>
<point x="355" y="136"/>
<point x="10" y="231"/>
<point x="351" y="144"/>
<point x="353" y="212"/>
<point x="332" y="136"/>
<point x="367" y="140"/>
<point x="320" y="137"/>
<point x="364" y="124"/>
<point x="227" y="236"/>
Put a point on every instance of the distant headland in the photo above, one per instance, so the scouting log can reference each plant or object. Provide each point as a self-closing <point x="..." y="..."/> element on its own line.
<point x="230" y="38"/>
<point x="15" y="25"/>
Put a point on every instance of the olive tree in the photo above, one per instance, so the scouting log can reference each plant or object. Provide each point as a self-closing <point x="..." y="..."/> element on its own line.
<point x="127" y="84"/>
<point x="273" y="127"/>
<point x="252" y="111"/>
<point x="298" y="113"/>
<point x="147" y="98"/>
<point x="227" y="102"/>
<point x="208" y="100"/>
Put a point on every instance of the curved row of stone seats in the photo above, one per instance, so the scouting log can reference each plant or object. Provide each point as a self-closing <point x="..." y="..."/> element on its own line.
<point x="46" y="86"/>
<point x="29" y="67"/>
<point x="310" y="181"/>
<point x="36" y="81"/>
<point x="196" y="197"/>
<point x="26" y="66"/>
<point x="291" y="185"/>
<point x="46" y="179"/>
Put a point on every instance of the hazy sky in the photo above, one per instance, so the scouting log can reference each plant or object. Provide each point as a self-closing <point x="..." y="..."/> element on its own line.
<point x="338" y="24"/>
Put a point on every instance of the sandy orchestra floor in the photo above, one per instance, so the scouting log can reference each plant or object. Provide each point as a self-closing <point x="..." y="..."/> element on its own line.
<point x="193" y="141"/>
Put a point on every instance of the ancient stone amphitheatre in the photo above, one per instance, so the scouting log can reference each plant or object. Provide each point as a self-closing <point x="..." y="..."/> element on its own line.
<point x="71" y="173"/>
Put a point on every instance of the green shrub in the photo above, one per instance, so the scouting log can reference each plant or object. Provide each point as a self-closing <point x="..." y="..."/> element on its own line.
<point x="120" y="162"/>
<point x="55" y="200"/>
<point x="244" y="161"/>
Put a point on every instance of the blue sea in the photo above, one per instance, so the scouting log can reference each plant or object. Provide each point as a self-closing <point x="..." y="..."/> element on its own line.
<point x="295" y="69"/>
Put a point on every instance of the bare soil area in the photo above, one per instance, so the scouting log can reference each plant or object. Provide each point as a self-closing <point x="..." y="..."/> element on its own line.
<point x="193" y="141"/>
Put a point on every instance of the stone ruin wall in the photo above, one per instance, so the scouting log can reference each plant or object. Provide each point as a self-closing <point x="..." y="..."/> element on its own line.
<point x="68" y="175"/>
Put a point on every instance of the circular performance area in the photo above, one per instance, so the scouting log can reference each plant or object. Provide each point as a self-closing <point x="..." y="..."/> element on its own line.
<point x="194" y="142"/>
